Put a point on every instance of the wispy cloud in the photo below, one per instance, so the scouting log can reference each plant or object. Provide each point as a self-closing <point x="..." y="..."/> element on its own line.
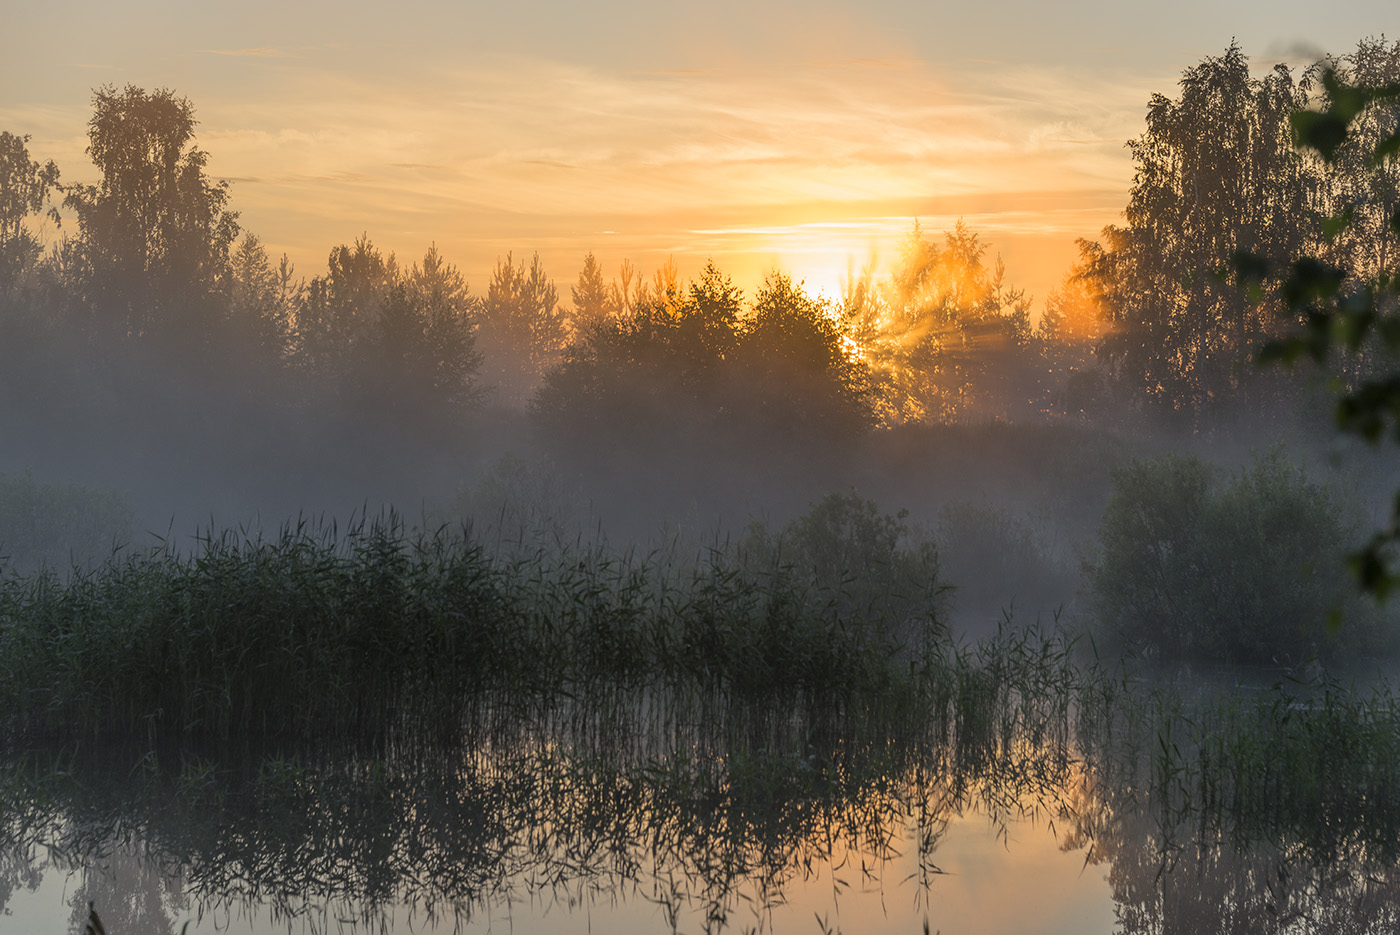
<point x="260" y="52"/>
<point x="830" y="159"/>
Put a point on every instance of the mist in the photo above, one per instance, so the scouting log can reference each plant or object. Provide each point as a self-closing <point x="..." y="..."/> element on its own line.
<point x="158" y="360"/>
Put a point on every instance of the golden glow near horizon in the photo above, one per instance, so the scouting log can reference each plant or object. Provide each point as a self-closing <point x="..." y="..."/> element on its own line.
<point x="807" y="137"/>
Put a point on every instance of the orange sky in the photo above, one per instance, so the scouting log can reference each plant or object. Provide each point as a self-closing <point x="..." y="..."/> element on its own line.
<point x="806" y="136"/>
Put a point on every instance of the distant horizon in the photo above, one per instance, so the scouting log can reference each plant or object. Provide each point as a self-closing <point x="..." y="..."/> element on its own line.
<point x="806" y="138"/>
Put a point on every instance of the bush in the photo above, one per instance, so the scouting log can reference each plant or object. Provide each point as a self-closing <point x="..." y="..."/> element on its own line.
<point x="1199" y="565"/>
<point x="867" y="559"/>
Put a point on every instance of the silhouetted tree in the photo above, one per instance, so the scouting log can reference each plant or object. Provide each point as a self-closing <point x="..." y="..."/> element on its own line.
<point x="155" y="234"/>
<point x="445" y="327"/>
<point x="262" y="299"/>
<point x="522" y="329"/>
<point x="1215" y="174"/>
<point x="24" y="190"/>
<point x="590" y="295"/>
<point x="797" y="372"/>
<point x="340" y="310"/>
<point x="690" y="362"/>
<point x="705" y="323"/>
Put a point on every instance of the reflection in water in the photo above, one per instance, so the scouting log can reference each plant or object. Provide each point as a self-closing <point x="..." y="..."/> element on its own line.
<point x="712" y="821"/>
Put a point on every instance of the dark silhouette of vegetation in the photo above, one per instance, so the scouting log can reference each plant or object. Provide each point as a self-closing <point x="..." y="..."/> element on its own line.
<point x="155" y="327"/>
<point x="1194" y="567"/>
<point x="522" y="329"/>
<point x="25" y="186"/>
<point x="1342" y="298"/>
<point x="155" y="233"/>
<point x="377" y="629"/>
<point x="700" y="358"/>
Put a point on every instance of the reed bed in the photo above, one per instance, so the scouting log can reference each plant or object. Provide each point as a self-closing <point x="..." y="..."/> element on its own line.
<point x="374" y="627"/>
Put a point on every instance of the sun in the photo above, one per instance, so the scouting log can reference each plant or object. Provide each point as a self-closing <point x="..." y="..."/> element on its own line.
<point x="826" y="256"/>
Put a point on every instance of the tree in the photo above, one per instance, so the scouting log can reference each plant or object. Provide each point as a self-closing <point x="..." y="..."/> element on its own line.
<point x="1215" y="174"/>
<point x="1242" y="569"/>
<point x="944" y="332"/>
<point x="1338" y="309"/>
<point x="445" y="321"/>
<point x="691" y="359"/>
<point x="1071" y="329"/>
<point x="797" y="373"/>
<point x="590" y="294"/>
<point x="705" y="323"/>
<point x="339" y="311"/>
<point x="154" y="230"/>
<point x="24" y="190"/>
<point x="522" y="328"/>
<point x="262" y="299"/>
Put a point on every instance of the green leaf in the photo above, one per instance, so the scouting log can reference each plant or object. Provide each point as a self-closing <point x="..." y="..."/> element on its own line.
<point x="1388" y="148"/>
<point x="1333" y="226"/>
<point x="1324" y="132"/>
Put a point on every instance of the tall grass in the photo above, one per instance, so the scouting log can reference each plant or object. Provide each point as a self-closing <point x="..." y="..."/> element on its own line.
<point x="373" y="626"/>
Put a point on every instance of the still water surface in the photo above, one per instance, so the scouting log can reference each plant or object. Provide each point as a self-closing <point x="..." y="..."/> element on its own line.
<point x="771" y="827"/>
<point x="1020" y="882"/>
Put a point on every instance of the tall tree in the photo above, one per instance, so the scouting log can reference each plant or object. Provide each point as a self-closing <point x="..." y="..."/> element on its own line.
<point x="155" y="232"/>
<point x="705" y="322"/>
<point x="944" y="332"/>
<point x="798" y="372"/>
<point x="521" y="328"/>
<point x="446" y="319"/>
<point x="340" y="310"/>
<point x="24" y="190"/>
<point x="590" y="294"/>
<point x="262" y="298"/>
<point x="1215" y="174"/>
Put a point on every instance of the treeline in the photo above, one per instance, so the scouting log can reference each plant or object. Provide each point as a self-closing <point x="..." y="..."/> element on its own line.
<point x="153" y="300"/>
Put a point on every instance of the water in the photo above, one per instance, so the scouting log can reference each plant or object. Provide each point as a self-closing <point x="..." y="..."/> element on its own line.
<point x="1054" y="892"/>
<point x="560" y="825"/>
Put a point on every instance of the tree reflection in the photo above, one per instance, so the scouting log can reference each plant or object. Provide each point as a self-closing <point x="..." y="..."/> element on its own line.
<point x="714" y="815"/>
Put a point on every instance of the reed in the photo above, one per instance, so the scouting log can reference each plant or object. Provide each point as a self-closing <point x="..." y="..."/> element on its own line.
<point x="376" y="627"/>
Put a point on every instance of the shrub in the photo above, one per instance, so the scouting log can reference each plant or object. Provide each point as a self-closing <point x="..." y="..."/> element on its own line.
<point x="866" y="558"/>
<point x="1199" y="565"/>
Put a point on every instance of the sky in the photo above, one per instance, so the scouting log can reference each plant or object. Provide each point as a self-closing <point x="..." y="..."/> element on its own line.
<point x="806" y="136"/>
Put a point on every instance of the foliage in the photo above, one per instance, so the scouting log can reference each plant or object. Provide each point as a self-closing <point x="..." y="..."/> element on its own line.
<point x="1346" y="297"/>
<point x="155" y="233"/>
<point x="340" y="310"/>
<point x="797" y="372"/>
<point x="521" y="326"/>
<point x="394" y="344"/>
<point x="945" y="335"/>
<point x="369" y="630"/>
<point x="695" y="359"/>
<point x="1194" y="566"/>
<point x="1215" y="174"/>
<point x="592" y="301"/>
<point x="262" y="299"/>
<point x="24" y="190"/>
<point x="872" y="559"/>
